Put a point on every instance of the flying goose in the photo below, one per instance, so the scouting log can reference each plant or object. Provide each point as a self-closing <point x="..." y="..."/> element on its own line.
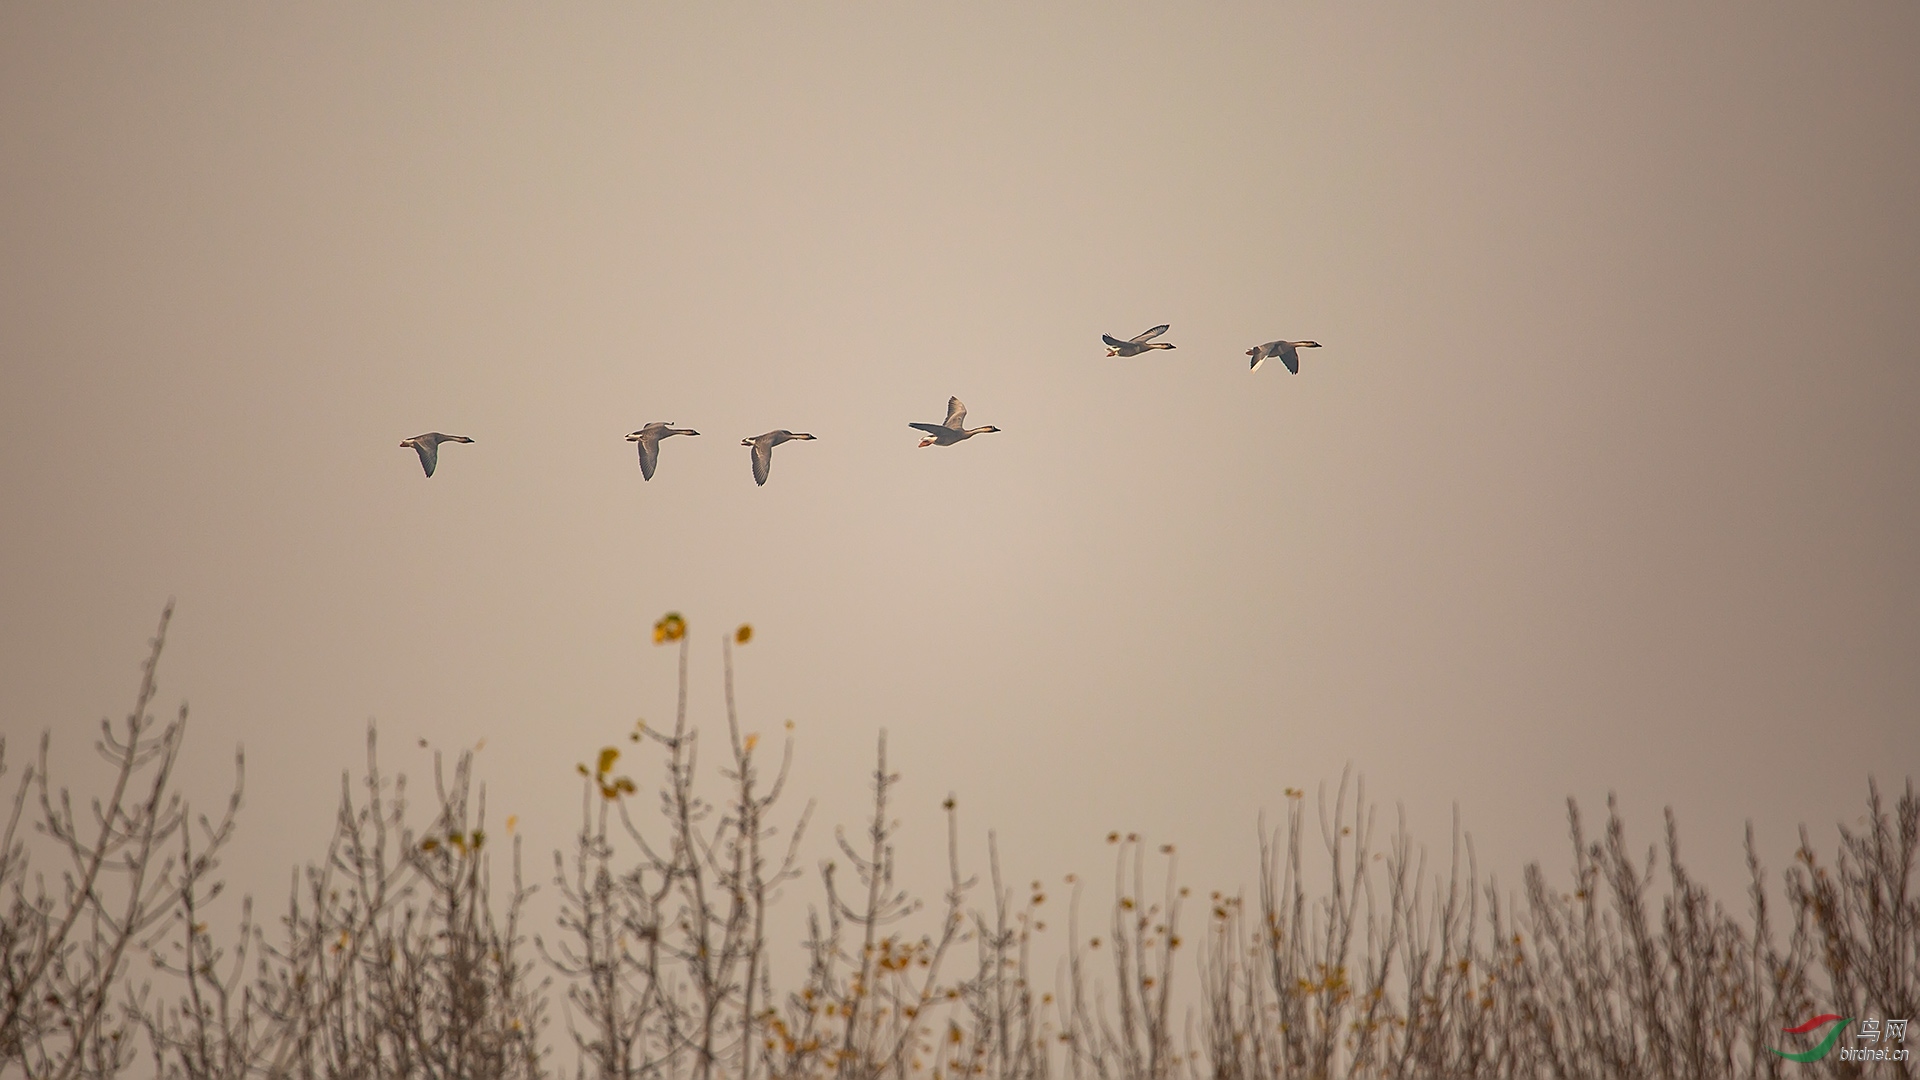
<point x="1136" y="344"/>
<point x="1282" y="349"/>
<point x="953" y="429"/>
<point x="428" y="447"/>
<point x="763" y="450"/>
<point x="648" y="439"/>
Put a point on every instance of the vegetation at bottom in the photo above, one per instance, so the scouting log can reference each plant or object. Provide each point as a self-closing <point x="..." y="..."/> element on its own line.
<point x="398" y="953"/>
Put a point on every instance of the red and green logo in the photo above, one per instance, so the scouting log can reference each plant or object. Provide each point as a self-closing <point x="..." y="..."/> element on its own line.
<point x="1826" y="1044"/>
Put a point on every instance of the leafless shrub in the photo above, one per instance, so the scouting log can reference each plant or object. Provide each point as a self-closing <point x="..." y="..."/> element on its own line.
<point x="1004" y="1033"/>
<point x="1861" y="917"/>
<point x="1131" y="1035"/>
<point x="393" y="961"/>
<point x="1615" y="978"/>
<point x="1353" y="959"/>
<point x="667" y="956"/>
<point x="67" y="949"/>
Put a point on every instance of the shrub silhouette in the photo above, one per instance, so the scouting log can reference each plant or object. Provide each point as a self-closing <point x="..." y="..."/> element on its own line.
<point x="397" y="956"/>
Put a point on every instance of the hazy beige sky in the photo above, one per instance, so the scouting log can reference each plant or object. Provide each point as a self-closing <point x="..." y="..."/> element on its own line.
<point x="1608" y="477"/>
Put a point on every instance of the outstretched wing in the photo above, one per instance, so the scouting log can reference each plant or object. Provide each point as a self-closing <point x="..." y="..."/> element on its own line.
<point x="429" y="452"/>
<point x="1291" y="358"/>
<point x="1151" y="334"/>
<point x="956" y="414"/>
<point x="762" y="461"/>
<point x="649" y="444"/>
<point x="1114" y="342"/>
<point x="931" y="429"/>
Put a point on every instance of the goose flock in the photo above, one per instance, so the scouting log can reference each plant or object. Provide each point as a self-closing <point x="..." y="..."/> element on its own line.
<point x="947" y="432"/>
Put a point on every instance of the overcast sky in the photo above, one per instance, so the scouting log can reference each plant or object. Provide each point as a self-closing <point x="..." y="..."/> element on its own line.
<point x="1606" y="479"/>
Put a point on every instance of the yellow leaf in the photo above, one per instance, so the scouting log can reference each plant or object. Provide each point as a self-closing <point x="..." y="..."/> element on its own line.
<point x="512" y="820"/>
<point x="752" y="741"/>
<point x="671" y="627"/>
<point x="744" y="634"/>
<point x="608" y="755"/>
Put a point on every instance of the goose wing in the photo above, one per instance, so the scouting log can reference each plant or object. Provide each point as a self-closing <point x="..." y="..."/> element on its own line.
<point x="1114" y="342"/>
<point x="1150" y="334"/>
<point x="762" y="459"/>
<point x="649" y="444"/>
<point x="956" y="414"/>
<point x="1289" y="356"/>
<point x="931" y="429"/>
<point x="429" y="450"/>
